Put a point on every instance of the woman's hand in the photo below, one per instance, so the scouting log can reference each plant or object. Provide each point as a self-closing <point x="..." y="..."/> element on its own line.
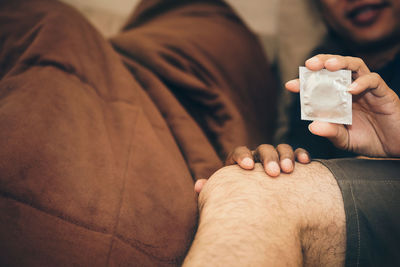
<point x="376" y="110"/>
<point x="274" y="160"/>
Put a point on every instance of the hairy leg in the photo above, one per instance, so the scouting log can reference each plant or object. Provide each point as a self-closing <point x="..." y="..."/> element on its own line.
<point x="250" y="219"/>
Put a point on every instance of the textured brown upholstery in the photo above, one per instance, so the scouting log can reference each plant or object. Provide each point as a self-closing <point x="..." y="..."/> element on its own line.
<point x="98" y="157"/>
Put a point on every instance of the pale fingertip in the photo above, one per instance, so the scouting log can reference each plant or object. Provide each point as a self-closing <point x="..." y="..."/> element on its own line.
<point x="352" y="87"/>
<point x="291" y="83"/>
<point x="312" y="61"/>
<point x="247" y="162"/>
<point x="332" y="61"/>
<point x="199" y="185"/>
<point x="317" y="126"/>
<point x="287" y="165"/>
<point x="311" y="127"/>
<point x="273" y="169"/>
<point x="303" y="158"/>
<point x="324" y="129"/>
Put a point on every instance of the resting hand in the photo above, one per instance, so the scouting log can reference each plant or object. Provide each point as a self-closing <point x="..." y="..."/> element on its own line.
<point x="273" y="159"/>
<point x="376" y="110"/>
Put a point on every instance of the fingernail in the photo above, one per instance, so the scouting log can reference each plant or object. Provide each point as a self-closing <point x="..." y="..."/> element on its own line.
<point x="352" y="87"/>
<point x="332" y="61"/>
<point x="313" y="60"/>
<point x="287" y="164"/>
<point x="291" y="82"/>
<point x="274" y="167"/>
<point x="197" y="186"/>
<point x="248" y="162"/>
<point x="310" y="127"/>
<point x="303" y="157"/>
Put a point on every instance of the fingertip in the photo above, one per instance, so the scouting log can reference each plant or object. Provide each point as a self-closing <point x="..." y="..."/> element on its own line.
<point x="322" y="128"/>
<point x="332" y="63"/>
<point x="247" y="163"/>
<point x="272" y="169"/>
<point x="314" y="63"/>
<point x="293" y="85"/>
<point x="198" y="186"/>
<point x="287" y="165"/>
<point x="303" y="158"/>
<point x="311" y="127"/>
<point x="313" y="60"/>
<point x="353" y="87"/>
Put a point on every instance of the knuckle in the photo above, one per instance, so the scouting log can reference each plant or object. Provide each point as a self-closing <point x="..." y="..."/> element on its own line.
<point x="338" y="57"/>
<point x="264" y="147"/>
<point x="375" y="76"/>
<point x="284" y="147"/>
<point x="359" y="61"/>
<point x="241" y="148"/>
<point x="226" y="178"/>
<point x="354" y="59"/>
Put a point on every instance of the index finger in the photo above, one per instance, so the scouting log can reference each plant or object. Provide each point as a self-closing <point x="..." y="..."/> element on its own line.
<point x="269" y="158"/>
<point x="336" y="62"/>
<point x="242" y="156"/>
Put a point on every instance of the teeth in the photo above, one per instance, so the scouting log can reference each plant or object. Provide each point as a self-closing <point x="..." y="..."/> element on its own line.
<point x="362" y="10"/>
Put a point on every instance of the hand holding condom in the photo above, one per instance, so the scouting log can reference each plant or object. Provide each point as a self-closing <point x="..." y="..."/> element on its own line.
<point x="375" y="129"/>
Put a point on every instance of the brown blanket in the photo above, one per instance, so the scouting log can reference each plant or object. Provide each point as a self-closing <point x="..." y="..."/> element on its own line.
<point x="98" y="149"/>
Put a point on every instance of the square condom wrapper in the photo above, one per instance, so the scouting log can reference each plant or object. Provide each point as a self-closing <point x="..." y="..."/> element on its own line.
<point x="324" y="95"/>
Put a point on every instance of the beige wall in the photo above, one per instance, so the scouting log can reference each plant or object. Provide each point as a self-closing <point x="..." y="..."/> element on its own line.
<point x="260" y="15"/>
<point x="287" y="28"/>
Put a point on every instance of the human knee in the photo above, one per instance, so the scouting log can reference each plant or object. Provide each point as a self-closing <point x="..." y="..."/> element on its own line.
<point x="230" y="183"/>
<point x="309" y="188"/>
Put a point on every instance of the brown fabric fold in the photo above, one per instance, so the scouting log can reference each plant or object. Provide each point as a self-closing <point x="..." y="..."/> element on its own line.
<point x="211" y="63"/>
<point x="98" y="157"/>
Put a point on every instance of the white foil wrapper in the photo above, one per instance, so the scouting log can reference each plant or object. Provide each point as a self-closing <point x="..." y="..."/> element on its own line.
<point x="324" y="95"/>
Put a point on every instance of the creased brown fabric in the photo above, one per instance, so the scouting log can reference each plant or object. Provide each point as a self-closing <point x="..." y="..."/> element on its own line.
<point x="97" y="160"/>
<point x="212" y="65"/>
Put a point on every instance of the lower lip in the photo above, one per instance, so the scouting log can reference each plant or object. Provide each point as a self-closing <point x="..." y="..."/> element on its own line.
<point x="366" y="18"/>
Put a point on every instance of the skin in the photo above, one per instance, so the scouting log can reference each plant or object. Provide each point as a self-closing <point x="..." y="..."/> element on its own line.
<point x="375" y="106"/>
<point x="374" y="132"/>
<point x="248" y="218"/>
<point x="274" y="160"/>
<point x="376" y="41"/>
<point x="384" y="26"/>
<point x="376" y="110"/>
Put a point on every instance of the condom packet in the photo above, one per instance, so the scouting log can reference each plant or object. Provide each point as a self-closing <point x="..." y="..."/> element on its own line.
<point x="324" y="95"/>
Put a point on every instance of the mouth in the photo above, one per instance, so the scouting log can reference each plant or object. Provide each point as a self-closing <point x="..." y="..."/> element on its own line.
<point x="366" y="14"/>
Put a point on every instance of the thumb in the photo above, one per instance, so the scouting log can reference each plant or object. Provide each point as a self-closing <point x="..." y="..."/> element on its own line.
<point x="336" y="133"/>
<point x="199" y="185"/>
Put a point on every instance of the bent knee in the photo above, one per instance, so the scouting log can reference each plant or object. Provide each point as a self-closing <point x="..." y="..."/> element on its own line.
<point x="232" y="181"/>
<point x="308" y="186"/>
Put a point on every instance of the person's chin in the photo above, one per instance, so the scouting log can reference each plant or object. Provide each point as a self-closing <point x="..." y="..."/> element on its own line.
<point x="375" y="34"/>
<point x="373" y="29"/>
<point x="372" y="43"/>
